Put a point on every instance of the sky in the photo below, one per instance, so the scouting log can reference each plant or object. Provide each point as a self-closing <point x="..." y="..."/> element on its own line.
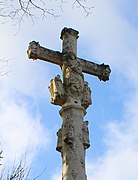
<point x="28" y="122"/>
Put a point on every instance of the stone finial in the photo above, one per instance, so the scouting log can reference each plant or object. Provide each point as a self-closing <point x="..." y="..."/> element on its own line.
<point x="69" y="37"/>
<point x="69" y="31"/>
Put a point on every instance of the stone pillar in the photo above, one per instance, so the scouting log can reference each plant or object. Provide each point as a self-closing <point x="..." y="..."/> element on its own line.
<point x="73" y="136"/>
<point x="74" y="96"/>
<point x="73" y="151"/>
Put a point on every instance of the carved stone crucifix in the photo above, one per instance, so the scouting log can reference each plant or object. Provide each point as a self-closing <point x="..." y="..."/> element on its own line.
<point x="74" y="96"/>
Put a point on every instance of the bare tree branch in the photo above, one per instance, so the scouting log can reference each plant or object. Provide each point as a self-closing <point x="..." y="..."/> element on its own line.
<point x="82" y="4"/>
<point x="17" y="10"/>
<point x="3" y="66"/>
<point x="19" y="172"/>
<point x="40" y="174"/>
<point x="1" y="156"/>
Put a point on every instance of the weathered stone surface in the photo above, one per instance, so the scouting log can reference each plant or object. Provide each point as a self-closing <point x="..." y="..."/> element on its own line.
<point x="59" y="142"/>
<point x="74" y="96"/>
<point x="57" y="91"/>
<point x="85" y="134"/>
<point x="35" y="51"/>
<point x="86" y="96"/>
<point x="69" y="37"/>
<point x="73" y="149"/>
<point x="73" y="139"/>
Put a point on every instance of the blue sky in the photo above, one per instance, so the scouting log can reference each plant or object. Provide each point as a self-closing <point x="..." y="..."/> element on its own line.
<point x="28" y="122"/>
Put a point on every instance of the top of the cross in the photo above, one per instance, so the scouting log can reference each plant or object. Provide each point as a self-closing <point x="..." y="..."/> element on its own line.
<point x="69" y="31"/>
<point x="69" y="46"/>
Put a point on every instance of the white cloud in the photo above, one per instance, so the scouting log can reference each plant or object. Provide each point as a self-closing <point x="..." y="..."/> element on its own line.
<point x="56" y="175"/>
<point x="24" y="75"/>
<point x="115" y="166"/>
<point x="110" y="38"/>
<point x="29" y="78"/>
<point x="121" y="158"/>
<point x="21" y="129"/>
<point x="20" y="132"/>
<point x="116" y="41"/>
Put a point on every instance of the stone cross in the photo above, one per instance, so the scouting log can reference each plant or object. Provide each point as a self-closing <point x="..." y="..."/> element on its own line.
<point x="74" y="96"/>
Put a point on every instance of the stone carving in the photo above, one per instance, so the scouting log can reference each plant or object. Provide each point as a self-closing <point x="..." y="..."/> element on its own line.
<point x="69" y="31"/>
<point x="85" y="134"/>
<point x="33" y="49"/>
<point x="104" y="72"/>
<point x="57" y="91"/>
<point x="68" y="137"/>
<point x="74" y="96"/>
<point x="86" y="98"/>
<point x="59" y="142"/>
<point x="75" y="64"/>
<point x="72" y="76"/>
<point x="70" y="62"/>
<point x="68" y="134"/>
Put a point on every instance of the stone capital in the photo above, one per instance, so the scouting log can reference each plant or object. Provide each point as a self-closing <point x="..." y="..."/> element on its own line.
<point x="69" y="31"/>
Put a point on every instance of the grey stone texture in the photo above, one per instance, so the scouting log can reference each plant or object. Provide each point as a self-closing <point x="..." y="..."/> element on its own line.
<point x="73" y="94"/>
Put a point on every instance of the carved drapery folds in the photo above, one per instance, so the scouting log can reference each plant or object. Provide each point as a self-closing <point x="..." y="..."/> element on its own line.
<point x="73" y="86"/>
<point x="72" y="77"/>
<point x="66" y="134"/>
<point x="57" y="91"/>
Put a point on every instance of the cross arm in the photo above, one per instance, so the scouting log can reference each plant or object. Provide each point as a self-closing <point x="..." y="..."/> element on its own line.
<point x="35" y="51"/>
<point x="102" y="71"/>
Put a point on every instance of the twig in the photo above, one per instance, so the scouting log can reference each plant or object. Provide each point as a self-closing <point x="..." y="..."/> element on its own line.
<point x="86" y="9"/>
